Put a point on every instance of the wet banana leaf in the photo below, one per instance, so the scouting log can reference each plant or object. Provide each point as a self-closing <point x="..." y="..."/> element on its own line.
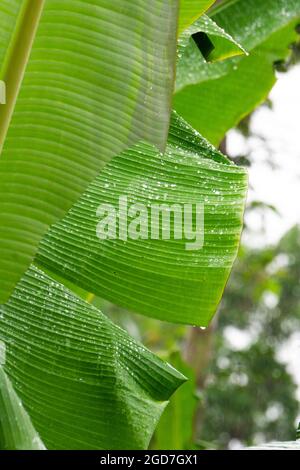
<point x="92" y="86"/>
<point x="83" y="381"/>
<point x="173" y="279"/>
<point x="216" y="96"/>
<point x="16" y="429"/>
<point x="199" y="45"/>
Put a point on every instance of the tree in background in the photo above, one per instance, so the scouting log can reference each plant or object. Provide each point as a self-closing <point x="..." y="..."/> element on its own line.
<point x="249" y="394"/>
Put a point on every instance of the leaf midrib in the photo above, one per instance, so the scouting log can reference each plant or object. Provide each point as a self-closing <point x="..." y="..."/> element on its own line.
<point x="16" y="59"/>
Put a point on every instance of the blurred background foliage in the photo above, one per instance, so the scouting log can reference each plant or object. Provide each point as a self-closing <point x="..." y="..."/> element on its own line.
<point x="237" y="393"/>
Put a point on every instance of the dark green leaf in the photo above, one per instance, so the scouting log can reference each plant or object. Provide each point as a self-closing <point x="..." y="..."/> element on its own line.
<point x="156" y="277"/>
<point x="16" y="430"/>
<point x="216" y="96"/>
<point x="84" y="382"/>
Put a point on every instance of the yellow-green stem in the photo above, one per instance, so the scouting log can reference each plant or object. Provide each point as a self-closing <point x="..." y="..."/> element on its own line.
<point x="16" y="59"/>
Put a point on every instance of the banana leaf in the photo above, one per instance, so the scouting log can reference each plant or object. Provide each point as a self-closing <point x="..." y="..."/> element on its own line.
<point x="190" y="10"/>
<point x="81" y="89"/>
<point x="16" y="429"/>
<point x="9" y="10"/>
<point x="175" y="429"/>
<point x="199" y="45"/>
<point x="161" y="278"/>
<point x="214" y="97"/>
<point x="83" y="381"/>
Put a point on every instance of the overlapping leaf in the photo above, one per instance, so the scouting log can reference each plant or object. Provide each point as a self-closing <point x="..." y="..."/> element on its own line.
<point x="99" y="78"/>
<point x="175" y="428"/>
<point x="85" y="383"/>
<point x="236" y="86"/>
<point x="249" y="23"/>
<point x="203" y="42"/>
<point x="156" y="277"/>
<point x="16" y="430"/>
<point x="190" y="10"/>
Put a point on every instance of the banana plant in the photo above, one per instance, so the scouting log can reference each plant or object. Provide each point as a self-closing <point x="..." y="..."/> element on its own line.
<point x="268" y="31"/>
<point x="84" y="82"/>
<point x="87" y="121"/>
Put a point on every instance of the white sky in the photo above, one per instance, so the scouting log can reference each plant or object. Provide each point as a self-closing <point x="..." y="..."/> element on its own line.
<point x="280" y="187"/>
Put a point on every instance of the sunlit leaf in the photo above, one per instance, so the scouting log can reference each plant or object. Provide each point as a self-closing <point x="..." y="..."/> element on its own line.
<point x="99" y="78"/>
<point x="9" y="10"/>
<point x="190" y="10"/>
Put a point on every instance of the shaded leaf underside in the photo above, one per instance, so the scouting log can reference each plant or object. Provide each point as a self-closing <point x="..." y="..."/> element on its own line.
<point x="214" y="97"/>
<point x="196" y="52"/>
<point x="16" y="430"/>
<point x="175" y="428"/>
<point x="9" y="10"/>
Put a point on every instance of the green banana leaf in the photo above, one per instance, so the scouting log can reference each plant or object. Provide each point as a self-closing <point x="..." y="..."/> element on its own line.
<point x="84" y="382"/>
<point x="236" y="86"/>
<point x="92" y="86"/>
<point x="161" y="278"/>
<point x="190" y="10"/>
<point x="16" y="429"/>
<point x="240" y="19"/>
<point x="175" y="428"/>
<point x="9" y="10"/>
<point x="213" y="44"/>
<point x="222" y="44"/>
